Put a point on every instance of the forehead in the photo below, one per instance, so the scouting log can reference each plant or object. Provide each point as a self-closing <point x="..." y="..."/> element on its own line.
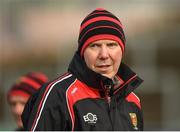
<point x="104" y="41"/>
<point x="18" y="98"/>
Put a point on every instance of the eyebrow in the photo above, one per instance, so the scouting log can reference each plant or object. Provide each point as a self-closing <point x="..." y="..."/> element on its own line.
<point x="104" y="43"/>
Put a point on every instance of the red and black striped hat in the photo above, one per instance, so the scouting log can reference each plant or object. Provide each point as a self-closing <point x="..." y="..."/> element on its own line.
<point x="100" y="24"/>
<point x="28" y="84"/>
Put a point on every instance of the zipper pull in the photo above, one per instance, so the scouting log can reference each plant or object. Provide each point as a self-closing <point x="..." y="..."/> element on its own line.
<point x="109" y="89"/>
<point x="108" y="92"/>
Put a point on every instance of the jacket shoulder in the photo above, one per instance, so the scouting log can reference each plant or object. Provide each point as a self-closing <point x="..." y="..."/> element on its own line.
<point x="62" y="83"/>
<point x="57" y="88"/>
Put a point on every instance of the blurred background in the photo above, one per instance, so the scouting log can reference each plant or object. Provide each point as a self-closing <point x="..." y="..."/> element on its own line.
<point x="41" y="35"/>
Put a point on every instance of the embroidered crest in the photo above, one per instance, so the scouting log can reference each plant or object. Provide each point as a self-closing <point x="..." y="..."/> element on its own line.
<point x="134" y="120"/>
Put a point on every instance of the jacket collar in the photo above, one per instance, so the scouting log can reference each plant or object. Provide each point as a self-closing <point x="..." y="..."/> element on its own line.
<point x="92" y="79"/>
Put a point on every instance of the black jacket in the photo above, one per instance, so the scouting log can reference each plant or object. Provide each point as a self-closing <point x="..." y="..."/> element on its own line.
<point x="84" y="100"/>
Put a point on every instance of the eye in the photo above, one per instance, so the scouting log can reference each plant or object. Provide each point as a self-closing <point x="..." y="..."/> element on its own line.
<point x="111" y="45"/>
<point x="22" y="102"/>
<point x="93" y="45"/>
<point x="12" y="104"/>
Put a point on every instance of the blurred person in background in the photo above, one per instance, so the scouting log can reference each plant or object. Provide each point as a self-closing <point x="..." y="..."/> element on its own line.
<point x="97" y="91"/>
<point x="18" y="95"/>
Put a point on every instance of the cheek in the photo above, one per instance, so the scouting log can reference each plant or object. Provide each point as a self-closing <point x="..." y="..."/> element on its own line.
<point x="89" y="62"/>
<point x="89" y="59"/>
<point x="13" y="109"/>
<point x="117" y="59"/>
<point x="18" y="109"/>
<point x="22" y="107"/>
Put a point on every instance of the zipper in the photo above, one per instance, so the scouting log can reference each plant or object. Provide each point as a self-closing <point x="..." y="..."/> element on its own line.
<point x="108" y="100"/>
<point x="108" y="89"/>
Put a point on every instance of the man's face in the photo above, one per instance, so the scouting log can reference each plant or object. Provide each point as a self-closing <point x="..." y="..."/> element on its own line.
<point x="104" y="57"/>
<point x="17" y="104"/>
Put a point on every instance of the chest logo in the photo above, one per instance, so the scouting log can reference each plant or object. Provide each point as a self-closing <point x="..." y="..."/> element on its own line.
<point x="134" y="120"/>
<point x="90" y="118"/>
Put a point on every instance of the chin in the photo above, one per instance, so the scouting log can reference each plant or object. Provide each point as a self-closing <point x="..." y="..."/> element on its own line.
<point x="109" y="76"/>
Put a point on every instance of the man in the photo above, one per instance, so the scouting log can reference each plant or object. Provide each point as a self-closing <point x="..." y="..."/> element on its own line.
<point x="20" y="92"/>
<point x="97" y="91"/>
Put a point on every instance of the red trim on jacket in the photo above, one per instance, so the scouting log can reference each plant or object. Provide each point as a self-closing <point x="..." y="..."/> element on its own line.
<point x="125" y="83"/>
<point x="78" y="91"/>
<point x="133" y="98"/>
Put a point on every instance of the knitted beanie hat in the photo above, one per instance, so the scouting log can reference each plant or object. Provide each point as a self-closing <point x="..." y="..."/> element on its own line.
<point x="27" y="84"/>
<point x="100" y="24"/>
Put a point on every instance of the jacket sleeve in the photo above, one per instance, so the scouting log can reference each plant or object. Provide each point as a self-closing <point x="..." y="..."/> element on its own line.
<point x="48" y="111"/>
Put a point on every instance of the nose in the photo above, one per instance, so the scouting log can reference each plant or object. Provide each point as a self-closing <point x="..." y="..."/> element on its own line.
<point x="103" y="52"/>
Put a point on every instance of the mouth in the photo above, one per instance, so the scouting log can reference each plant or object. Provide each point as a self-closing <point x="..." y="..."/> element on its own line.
<point x="103" y="68"/>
